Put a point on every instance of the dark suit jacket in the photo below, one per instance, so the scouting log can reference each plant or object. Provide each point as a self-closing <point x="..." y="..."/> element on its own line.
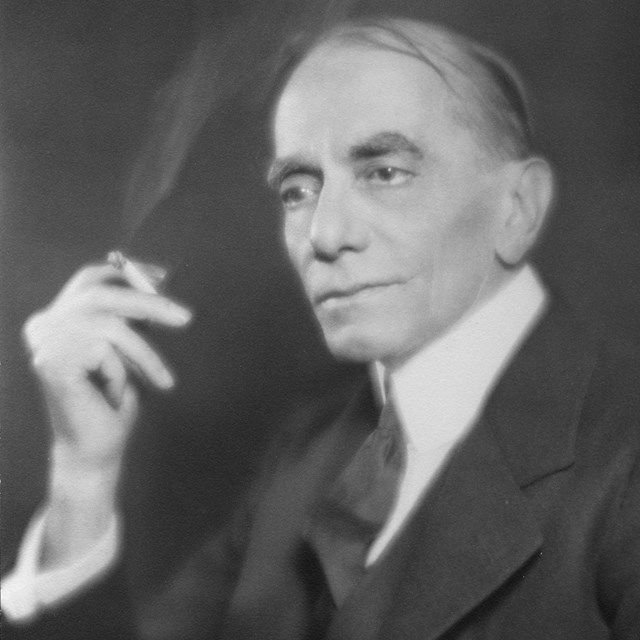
<point x="531" y="531"/>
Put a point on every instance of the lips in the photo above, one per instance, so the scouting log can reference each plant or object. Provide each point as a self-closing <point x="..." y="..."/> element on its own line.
<point x="346" y="293"/>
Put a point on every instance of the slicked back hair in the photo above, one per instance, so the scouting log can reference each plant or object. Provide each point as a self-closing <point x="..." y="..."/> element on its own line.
<point x="489" y="97"/>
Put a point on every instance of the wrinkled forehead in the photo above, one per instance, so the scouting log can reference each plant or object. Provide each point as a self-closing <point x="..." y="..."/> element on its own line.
<point x="343" y="92"/>
<point x="344" y="95"/>
<point x="486" y="93"/>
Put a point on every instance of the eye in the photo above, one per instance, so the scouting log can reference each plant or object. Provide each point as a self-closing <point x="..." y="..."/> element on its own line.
<point x="298" y="190"/>
<point x="389" y="176"/>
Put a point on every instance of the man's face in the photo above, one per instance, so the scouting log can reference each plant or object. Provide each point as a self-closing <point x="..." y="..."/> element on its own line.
<point x="390" y="207"/>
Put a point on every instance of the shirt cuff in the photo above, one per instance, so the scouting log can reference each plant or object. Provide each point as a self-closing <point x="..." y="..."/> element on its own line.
<point x="27" y="590"/>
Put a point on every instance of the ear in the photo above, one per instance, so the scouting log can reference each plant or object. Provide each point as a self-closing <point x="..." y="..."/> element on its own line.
<point x="529" y="198"/>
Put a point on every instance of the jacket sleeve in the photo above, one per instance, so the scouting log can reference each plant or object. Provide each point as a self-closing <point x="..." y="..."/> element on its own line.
<point x="190" y="606"/>
<point x="193" y="604"/>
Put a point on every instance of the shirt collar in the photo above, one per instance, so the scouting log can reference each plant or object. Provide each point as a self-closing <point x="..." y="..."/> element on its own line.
<point x="440" y="391"/>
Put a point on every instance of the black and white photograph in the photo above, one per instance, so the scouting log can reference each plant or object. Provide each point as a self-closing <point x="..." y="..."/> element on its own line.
<point x="320" y="319"/>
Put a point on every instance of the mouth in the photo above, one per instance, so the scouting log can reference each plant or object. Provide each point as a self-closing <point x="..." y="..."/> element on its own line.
<point x="338" y="296"/>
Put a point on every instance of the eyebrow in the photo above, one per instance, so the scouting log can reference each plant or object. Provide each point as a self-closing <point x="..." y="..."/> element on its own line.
<point x="281" y="168"/>
<point x="383" y="144"/>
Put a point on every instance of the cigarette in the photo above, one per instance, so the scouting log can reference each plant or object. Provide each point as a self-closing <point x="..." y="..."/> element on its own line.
<point x="131" y="271"/>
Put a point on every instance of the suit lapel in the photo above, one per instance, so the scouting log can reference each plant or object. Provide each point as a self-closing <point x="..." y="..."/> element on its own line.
<point x="281" y="591"/>
<point x="472" y="533"/>
<point x="474" y="529"/>
<point x="535" y="409"/>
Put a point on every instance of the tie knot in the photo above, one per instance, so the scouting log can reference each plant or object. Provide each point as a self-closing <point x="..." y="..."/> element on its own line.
<point x="354" y="508"/>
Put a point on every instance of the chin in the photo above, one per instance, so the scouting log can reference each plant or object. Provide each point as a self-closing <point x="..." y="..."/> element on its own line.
<point x="357" y="346"/>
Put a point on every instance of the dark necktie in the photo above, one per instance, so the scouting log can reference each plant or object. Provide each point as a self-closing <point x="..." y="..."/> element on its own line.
<point x="353" y="510"/>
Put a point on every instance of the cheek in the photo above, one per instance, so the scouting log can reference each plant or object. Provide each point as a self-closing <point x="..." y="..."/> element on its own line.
<point x="469" y="236"/>
<point x="455" y="256"/>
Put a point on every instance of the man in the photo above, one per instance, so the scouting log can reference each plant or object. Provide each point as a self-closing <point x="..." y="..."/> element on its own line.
<point x="499" y="495"/>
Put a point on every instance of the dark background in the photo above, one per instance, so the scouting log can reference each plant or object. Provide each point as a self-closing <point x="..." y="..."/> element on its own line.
<point x="99" y="131"/>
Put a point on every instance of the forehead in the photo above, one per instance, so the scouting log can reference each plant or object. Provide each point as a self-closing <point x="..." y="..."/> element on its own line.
<point x="341" y="93"/>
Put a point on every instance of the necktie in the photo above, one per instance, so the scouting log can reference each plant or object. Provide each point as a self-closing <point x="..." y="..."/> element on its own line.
<point x="352" y="512"/>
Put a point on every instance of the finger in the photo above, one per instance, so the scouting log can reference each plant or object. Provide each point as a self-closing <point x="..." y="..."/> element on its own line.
<point x="133" y="305"/>
<point x="113" y="375"/>
<point x="139" y="357"/>
<point x="89" y="276"/>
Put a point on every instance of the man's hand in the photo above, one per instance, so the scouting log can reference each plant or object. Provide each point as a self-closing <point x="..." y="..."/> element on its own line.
<point x="90" y="359"/>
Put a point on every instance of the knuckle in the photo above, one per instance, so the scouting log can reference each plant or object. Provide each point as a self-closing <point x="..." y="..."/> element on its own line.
<point x="85" y="274"/>
<point x="89" y="298"/>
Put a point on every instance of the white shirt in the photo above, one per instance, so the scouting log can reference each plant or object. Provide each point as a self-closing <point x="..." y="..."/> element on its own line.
<point x="439" y="394"/>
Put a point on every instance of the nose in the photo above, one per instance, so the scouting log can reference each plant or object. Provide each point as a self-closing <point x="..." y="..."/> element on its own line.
<point x="338" y="224"/>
